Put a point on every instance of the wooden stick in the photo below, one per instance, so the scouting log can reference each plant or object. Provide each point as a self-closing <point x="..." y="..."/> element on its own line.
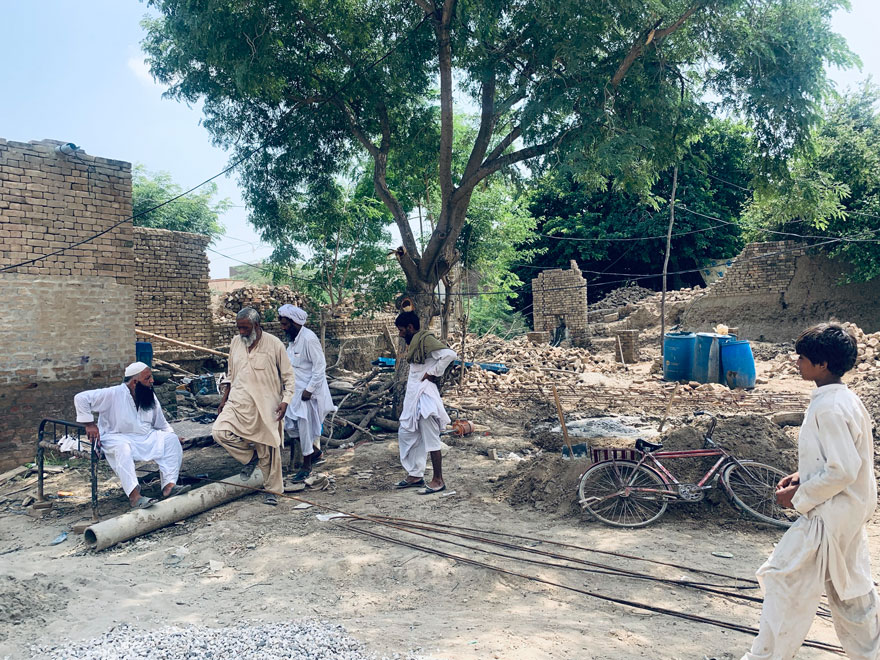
<point x="668" y="407"/>
<point x="562" y="422"/>
<point x="201" y="349"/>
<point x="176" y="367"/>
<point x="622" y="359"/>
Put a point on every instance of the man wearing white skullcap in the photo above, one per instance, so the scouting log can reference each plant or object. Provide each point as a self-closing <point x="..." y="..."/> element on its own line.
<point x="311" y="401"/>
<point x="131" y="427"/>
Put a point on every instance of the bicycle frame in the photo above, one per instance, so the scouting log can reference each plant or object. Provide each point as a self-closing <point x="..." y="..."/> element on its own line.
<point x="709" y="450"/>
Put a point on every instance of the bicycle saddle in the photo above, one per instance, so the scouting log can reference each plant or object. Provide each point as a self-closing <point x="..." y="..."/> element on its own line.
<point x="646" y="447"/>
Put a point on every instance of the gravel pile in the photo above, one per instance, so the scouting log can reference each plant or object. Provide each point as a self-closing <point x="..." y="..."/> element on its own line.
<point x="306" y="639"/>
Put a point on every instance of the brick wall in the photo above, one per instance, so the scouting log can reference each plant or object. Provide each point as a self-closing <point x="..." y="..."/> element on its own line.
<point x="773" y="291"/>
<point x="171" y="281"/>
<point x="560" y="294"/>
<point x="761" y="268"/>
<point x="68" y="321"/>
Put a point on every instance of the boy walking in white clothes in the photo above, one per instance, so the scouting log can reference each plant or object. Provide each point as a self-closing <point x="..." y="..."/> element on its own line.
<point x="835" y="491"/>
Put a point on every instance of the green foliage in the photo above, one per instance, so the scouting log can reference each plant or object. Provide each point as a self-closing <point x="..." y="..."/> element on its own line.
<point x="332" y="245"/>
<point x="833" y="189"/>
<point x="611" y="92"/>
<point x="198" y="212"/>
<point x="609" y="224"/>
<point x="496" y="235"/>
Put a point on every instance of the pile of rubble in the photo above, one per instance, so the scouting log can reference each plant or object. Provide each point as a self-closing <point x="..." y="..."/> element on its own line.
<point x="261" y="297"/>
<point x="625" y="295"/>
<point x="869" y="350"/>
<point x="867" y="364"/>
<point x="529" y="364"/>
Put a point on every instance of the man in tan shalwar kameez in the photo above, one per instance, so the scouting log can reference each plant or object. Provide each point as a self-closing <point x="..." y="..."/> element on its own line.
<point x="255" y="398"/>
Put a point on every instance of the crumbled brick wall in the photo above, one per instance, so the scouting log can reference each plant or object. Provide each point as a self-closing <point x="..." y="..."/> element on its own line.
<point x="773" y="291"/>
<point x="68" y="322"/>
<point x="560" y="294"/>
<point x="171" y="278"/>
<point x="765" y="268"/>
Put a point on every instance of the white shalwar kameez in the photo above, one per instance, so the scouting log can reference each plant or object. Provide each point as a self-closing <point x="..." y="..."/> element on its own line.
<point x="826" y="549"/>
<point x="304" y="418"/>
<point x="423" y="415"/>
<point x="128" y="434"/>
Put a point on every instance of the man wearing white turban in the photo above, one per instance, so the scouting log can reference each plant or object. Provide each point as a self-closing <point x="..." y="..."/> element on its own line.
<point x="311" y="401"/>
<point x="131" y="427"/>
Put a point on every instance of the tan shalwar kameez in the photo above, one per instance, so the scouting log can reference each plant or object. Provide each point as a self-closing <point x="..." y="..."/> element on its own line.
<point x="260" y="379"/>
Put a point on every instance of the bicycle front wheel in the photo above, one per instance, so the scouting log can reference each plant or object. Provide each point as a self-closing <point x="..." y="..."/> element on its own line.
<point x="752" y="487"/>
<point x="610" y="492"/>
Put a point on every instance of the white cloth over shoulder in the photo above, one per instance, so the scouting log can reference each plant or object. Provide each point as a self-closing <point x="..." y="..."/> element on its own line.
<point x="422" y="398"/>
<point x="310" y="371"/>
<point x="128" y="434"/>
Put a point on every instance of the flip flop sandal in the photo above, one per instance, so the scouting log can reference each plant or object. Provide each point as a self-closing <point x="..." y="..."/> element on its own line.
<point x="427" y="490"/>
<point x="400" y="485"/>
<point x="178" y="490"/>
<point x="248" y="470"/>
<point x="144" y="502"/>
<point x="271" y="499"/>
<point x="301" y="476"/>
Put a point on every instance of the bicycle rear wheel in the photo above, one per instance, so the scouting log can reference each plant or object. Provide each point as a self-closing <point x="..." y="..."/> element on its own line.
<point x="752" y="487"/>
<point x="606" y="492"/>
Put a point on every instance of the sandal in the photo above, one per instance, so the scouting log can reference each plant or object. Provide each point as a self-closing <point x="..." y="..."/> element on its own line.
<point x="177" y="490"/>
<point x="408" y="484"/>
<point x="271" y="499"/>
<point x="301" y="476"/>
<point x="144" y="502"/>
<point x="427" y="490"/>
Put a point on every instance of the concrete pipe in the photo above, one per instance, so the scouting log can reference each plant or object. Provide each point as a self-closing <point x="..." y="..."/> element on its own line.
<point x="129" y="525"/>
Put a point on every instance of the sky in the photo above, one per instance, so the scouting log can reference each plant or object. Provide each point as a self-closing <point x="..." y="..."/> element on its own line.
<point x="73" y="71"/>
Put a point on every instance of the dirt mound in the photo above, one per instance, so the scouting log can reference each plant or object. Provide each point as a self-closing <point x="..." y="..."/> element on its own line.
<point x="745" y="436"/>
<point x="34" y="599"/>
<point x="548" y="482"/>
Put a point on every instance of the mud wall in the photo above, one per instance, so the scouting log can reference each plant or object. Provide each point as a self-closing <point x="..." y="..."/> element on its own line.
<point x="775" y="290"/>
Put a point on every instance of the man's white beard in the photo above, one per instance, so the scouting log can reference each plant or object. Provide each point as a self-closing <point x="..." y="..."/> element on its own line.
<point x="249" y="339"/>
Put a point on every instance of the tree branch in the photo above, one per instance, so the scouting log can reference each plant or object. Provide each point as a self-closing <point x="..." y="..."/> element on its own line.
<point x="487" y="126"/>
<point x="493" y="165"/>
<point x="444" y="55"/>
<point x="643" y="42"/>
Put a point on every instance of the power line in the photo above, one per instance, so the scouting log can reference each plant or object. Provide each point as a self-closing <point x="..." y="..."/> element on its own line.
<point x="235" y="164"/>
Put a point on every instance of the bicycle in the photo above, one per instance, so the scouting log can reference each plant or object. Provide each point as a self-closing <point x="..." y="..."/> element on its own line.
<point x="632" y="487"/>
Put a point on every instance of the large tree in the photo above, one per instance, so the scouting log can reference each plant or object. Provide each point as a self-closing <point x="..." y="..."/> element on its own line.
<point x="833" y="189"/>
<point x="304" y="86"/>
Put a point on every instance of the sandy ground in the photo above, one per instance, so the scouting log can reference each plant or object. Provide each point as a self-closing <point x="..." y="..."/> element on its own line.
<point x="245" y="561"/>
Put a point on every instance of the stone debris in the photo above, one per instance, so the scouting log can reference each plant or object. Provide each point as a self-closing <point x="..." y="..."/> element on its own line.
<point x="263" y="298"/>
<point x="316" y="640"/>
<point x="625" y="295"/>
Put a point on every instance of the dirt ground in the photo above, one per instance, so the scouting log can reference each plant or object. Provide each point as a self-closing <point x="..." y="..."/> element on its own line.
<point x="245" y="561"/>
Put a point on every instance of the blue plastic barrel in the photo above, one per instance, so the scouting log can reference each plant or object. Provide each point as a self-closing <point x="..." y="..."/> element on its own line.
<point x="738" y="365"/>
<point x="143" y="352"/>
<point x="678" y="355"/>
<point x="707" y="356"/>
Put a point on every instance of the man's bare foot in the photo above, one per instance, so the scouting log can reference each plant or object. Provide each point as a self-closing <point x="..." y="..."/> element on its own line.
<point x="167" y="490"/>
<point x="134" y="496"/>
<point x="434" y="484"/>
